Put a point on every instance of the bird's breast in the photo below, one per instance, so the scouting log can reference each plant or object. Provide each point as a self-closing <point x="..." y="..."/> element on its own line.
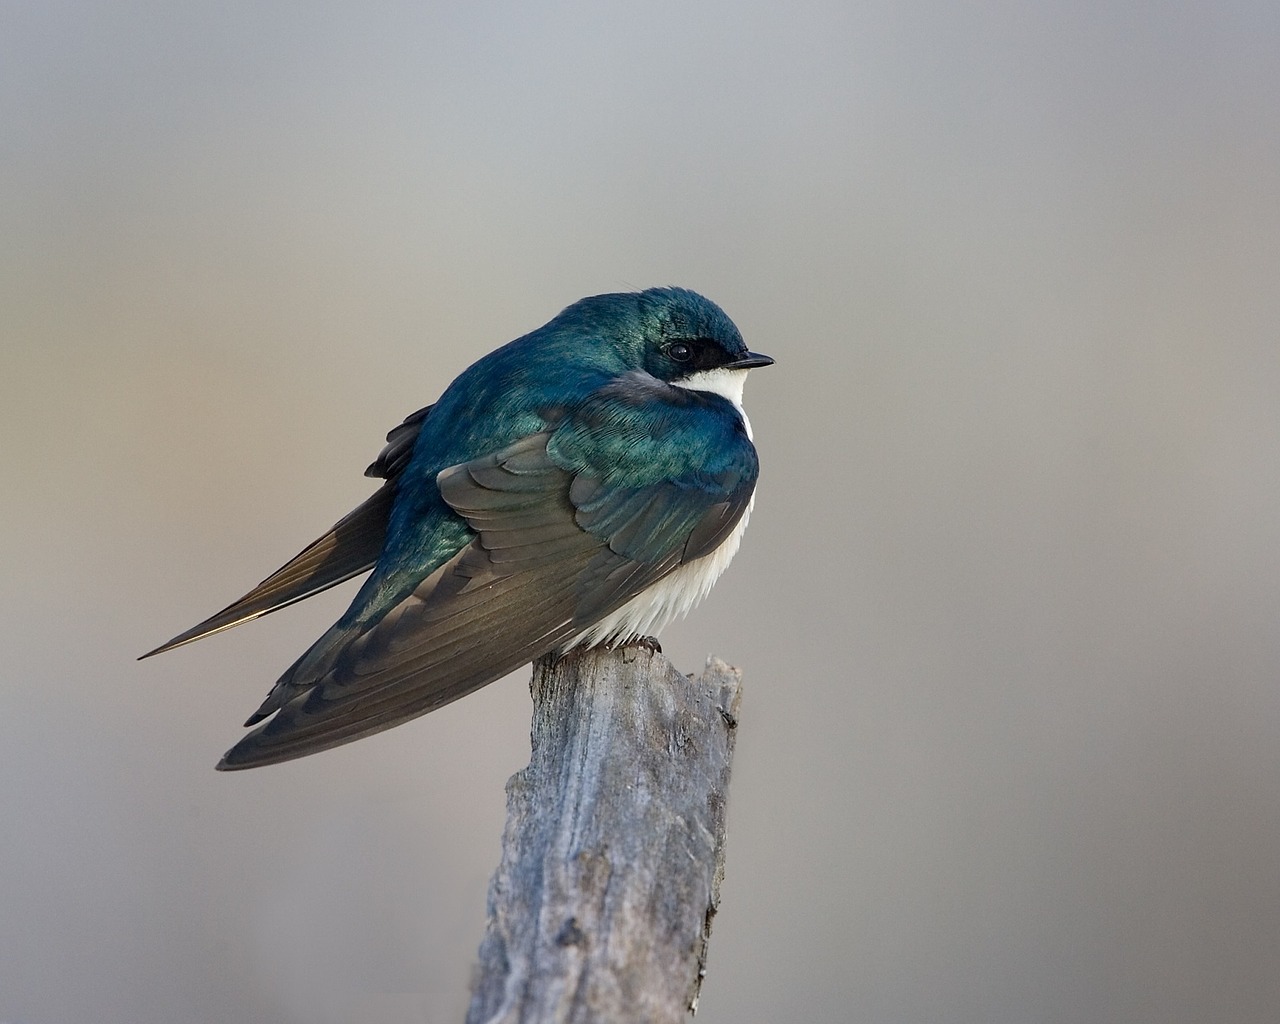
<point x="725" y="383"/>
<point x="673" y="596"/>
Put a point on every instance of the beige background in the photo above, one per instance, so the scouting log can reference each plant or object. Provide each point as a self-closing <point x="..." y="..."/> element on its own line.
<point x="1008" y="605"/>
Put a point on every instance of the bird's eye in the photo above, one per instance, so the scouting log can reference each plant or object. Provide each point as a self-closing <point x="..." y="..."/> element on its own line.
<point x="680" y="351"/>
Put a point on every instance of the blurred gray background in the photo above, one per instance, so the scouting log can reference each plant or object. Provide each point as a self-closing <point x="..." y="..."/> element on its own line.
<point x="1008" y="606"/>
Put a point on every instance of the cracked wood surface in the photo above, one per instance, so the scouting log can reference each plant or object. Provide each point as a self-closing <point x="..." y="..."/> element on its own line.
<point x="613" y="850"/>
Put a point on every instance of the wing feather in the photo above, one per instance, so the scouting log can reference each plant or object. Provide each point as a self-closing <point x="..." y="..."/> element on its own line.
<point x="349" y="548"/>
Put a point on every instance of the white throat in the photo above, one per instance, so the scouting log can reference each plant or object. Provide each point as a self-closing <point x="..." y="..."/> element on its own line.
<point x="725" y="383"/>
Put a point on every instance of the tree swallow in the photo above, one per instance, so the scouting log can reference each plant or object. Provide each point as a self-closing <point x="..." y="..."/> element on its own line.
<point x="583" y="485"/>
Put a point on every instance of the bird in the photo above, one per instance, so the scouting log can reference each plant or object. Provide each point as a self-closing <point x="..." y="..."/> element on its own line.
<point x="581" y="486"/>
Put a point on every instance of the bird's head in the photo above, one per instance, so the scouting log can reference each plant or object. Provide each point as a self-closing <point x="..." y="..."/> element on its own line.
<point x="673" y="334"/>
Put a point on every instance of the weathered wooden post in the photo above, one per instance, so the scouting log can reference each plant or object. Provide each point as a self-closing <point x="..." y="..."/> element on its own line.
<point x="613" y="851"/>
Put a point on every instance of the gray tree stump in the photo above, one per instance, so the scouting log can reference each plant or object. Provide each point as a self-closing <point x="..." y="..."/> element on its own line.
<point x="613" y="851"/>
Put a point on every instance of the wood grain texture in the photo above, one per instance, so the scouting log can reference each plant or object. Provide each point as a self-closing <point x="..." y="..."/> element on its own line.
<point x="613" y="851"/>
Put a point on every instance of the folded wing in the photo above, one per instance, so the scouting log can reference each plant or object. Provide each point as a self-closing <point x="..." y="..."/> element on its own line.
<point x="567" y="525"/>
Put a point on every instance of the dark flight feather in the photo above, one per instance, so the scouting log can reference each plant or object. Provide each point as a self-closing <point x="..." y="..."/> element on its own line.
<point x="348" y="549"/>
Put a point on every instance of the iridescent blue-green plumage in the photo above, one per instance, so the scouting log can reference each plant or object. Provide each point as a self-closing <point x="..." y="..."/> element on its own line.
<point x="552" y="485"/>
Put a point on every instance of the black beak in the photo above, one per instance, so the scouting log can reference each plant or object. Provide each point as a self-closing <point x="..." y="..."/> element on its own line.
<point x="751" y="361"/>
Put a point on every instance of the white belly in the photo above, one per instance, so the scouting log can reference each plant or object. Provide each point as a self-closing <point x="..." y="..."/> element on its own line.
<point x="667" y="600"/>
